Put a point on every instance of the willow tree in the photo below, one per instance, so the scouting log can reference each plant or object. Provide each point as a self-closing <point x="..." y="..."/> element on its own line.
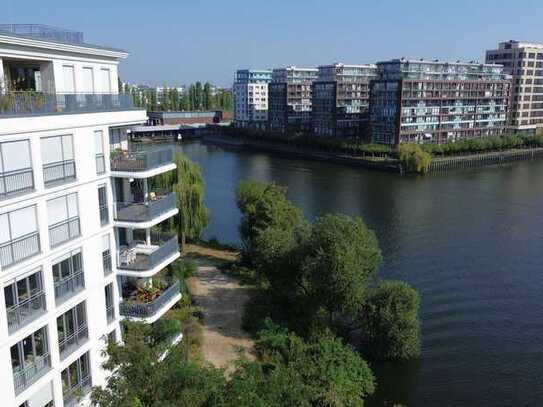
<point x="188" y="184"/>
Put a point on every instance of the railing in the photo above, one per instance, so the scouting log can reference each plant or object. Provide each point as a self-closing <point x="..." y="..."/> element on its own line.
<point x="71" y="284"/>
<point x="137" y="310"/>
<point x="71" y="342"/>
<point x="63" y="231"/>
<point x="106" y="264"/>
<point x="104" y="215"/>
<point x="144" y="261"/>
<point x="27" y="103"/>
<point x="16" y="182"/>
<point x="26" y="311"/>
<point x="142" y="161"/>
<point x="25" y="377"/>
<point x="19" y="249"/>
<point x="58" y="172"/>
<point x="110" y="313"/>
<point x="75" y="393"/>
<point x="145" y="211"/>
<point x="100" y="164"/>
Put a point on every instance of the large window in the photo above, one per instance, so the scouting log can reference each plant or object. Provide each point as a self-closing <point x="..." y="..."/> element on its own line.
<point x="72" y="329"/>
<point x="106" y="255"/>
<point x="68" y="275"/>
<point x="25" y="300"/>
<point x="102" y="205"/>
<point x="76" y="380"/>
<point x="16" y="175"/>
<point x="19" y="236"/>
<point x="99" y="151"/>
<point x="30" y="359"/>
<point x="110" y="307"/>
<point x="63" y="217"/>
<point x="58" y="160"/>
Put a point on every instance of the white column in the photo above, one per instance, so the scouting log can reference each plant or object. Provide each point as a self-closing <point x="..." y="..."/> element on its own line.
<point x="2" y="78"/>
<point x="148" y="236"/>
<point x="145" y="189"/>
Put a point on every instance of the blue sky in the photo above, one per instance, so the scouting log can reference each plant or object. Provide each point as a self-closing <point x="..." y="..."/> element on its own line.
<point x="178" y="42"/>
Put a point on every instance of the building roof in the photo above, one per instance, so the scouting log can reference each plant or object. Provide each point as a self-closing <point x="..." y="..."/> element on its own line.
<point x="437" y="62"/>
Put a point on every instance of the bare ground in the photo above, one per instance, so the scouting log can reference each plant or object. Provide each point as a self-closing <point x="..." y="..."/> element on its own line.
<point x="221" y="299"/>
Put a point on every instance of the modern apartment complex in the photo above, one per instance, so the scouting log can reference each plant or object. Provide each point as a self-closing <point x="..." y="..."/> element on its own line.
<point x="435" y="102"/>
<point x="341" y="99"/>
<point x="250" y="92"/>
<point x="524" y="61"/>
<point x="289" y="107"/>
<point x="78" y="236"/>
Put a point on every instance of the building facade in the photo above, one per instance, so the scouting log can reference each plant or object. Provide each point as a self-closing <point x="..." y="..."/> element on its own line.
<point x="77" y="231"/>
<point x="340" y="100"/>
<point x="250" y="93"/>
<point x="524" y="62"/>
<point x="290" y="92"/>
<point x="436" y="102"/>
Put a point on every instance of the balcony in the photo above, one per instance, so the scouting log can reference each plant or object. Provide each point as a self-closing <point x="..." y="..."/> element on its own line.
<point x="69" y="286"/>
<point x="135" y="162"/>
<point x="58" y="173"/>
<point x="152" y="208"/>
<point x="19" y="249"/>
<point x="22" y="378"/>
<point x="73" y="341"/>
<point x="140" y="256"/>
<point x="32" y="103"/>
<point x="26" y="311"/>
<point x="64" y="231"/>
<point x="74" y="394"/>
<point x="153" y="305"/>
<point x="16" y="182"/>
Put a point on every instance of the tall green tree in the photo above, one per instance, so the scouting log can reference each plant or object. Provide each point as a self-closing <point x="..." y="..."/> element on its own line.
<point x="206" y="96"/>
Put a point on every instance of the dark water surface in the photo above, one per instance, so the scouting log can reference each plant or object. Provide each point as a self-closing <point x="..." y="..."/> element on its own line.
<point x="470" y="242"/>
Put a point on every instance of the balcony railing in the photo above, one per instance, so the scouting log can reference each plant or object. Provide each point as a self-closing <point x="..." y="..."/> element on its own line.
<point x="104" y="215"/>
<point x="59" y="172"/>
<point x="19" y="249"/>
<point x="16" y="182"/>
<point x="74" y="394"/>
<point x="26" y="311"/>
<point x="145" y="211"/>
<point x="142" y="161"/>
<point x="63" y="231"/>
<point x="25" y="377"/>
<point x="73" y="341"/>
<point x="100" y="164"/>
<point x="142" y="257"/>
<point x="25" y="103"/>
<point x="134" y="309"/>
<point x="69" y="286"/>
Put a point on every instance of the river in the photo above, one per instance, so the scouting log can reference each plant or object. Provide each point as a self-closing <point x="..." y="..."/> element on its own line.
<point x="470" y="242"/>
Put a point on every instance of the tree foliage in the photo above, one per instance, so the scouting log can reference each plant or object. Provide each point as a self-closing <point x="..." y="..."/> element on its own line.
<point x="414" y="158"/>
<point x="390" y="324"/>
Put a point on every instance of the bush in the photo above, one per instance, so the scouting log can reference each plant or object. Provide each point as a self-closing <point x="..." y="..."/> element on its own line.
<point x="414" y="159"/>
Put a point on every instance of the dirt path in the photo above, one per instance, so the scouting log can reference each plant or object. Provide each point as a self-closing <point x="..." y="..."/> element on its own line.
<point x="222" y="300"/>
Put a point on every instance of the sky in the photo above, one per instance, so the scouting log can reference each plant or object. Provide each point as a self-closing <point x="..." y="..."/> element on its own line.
<point x="179" y="42"/>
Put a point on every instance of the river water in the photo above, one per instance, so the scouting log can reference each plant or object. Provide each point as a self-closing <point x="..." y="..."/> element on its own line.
<point x="470" y="242"/>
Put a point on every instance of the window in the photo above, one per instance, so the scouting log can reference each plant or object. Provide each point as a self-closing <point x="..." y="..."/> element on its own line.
<point x="102" y="205"/>
<point x="72" y="329"/>
<point x="76" y="380"/>
<point x="110" y="307"/>
<point x="63" y="217"/>
<point x="25" y="300"/>
<point x="106" y="80"/>
<point x="99" y="151"/>
<point x="58" y="160"/>
<point x="16" y="175"/>
<point x="19" y="236"/>
<point x="68" y="275"/>
<point x="88" y="80"/>
<point x="69" y="78"/>
<point x="112" y="337"/>
<point x="30" y="359"/>
<point x="106" y="255"/>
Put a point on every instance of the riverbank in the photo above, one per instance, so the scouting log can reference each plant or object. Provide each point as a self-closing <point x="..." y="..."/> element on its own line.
<point x="438" y="164"/>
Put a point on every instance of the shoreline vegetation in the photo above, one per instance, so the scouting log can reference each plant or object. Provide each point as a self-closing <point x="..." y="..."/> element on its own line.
<point x="407" y="158"/>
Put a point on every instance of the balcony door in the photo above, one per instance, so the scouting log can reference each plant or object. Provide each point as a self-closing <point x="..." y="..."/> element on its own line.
<point x="88" y="80"/>
<point x="69" y="78"/>
<point x="106" y="80"/>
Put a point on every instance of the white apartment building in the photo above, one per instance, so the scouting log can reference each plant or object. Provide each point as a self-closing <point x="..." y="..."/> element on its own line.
<point x="77" y="230"/>
<point x="250" y="93"/>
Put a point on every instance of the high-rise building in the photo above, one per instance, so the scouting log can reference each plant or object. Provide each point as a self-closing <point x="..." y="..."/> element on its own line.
<point x="435" y="102"/>
<point x="340" y="99"/>
<point x="289" y="107"/>
<point x="251" y="98"/>
<point x="524" y="61"/>
<point x="78" y="236"/>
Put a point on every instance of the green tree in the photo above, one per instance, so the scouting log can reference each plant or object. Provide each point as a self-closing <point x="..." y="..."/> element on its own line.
<point x="206" y="96"/>
<point x="390" y="324"/>
<point x="198" y="96"/>
<point x="414" y="158"/>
